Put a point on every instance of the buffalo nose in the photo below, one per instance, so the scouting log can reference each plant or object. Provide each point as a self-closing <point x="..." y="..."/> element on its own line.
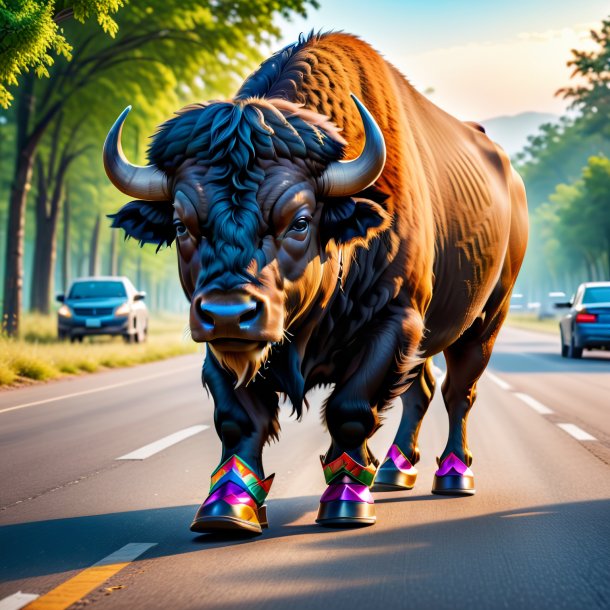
<point x="236" y="315"/>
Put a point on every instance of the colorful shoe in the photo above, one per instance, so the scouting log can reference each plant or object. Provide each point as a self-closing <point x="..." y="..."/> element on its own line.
<point x="347" y="500"/>
<point x="235" y="503"/>
<point x="453" y="478"/>
<point x="396" y="473"/>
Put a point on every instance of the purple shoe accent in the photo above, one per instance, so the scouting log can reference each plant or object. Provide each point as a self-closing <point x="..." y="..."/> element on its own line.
<point x="399" y="459"/>
<point x="230" y="493"/>
<point x="348" y="492"/>
<point x="452" y="465"/>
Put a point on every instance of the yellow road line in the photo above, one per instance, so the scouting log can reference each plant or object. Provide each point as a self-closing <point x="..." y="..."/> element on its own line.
<point x="84" y="582"/>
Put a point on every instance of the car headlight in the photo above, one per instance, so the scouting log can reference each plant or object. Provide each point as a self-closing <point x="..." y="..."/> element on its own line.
<point x="122" y="310"/>
<point x="64" y="311"/>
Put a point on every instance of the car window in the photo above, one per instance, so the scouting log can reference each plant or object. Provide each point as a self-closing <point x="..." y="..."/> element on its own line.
<point x="96" y="290"/>
<point x="597" y="294"/>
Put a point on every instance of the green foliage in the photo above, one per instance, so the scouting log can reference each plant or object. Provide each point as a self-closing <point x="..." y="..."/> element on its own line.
<point x="566" y="172"/>
<point x="592" y="94"/>
<point x="30" y="35"/>
<point x="555" y="155"/>
<point x="162" y="56"/>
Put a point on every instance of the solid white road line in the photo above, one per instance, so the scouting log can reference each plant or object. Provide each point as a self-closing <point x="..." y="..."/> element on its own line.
<point x="534" y="404"/>
<point x="17" y="600"/>
<point x="163" y="443"/>
<point x="578" y="433"/>
<point x="84" y="392"/>
<point x="499" y="382"/>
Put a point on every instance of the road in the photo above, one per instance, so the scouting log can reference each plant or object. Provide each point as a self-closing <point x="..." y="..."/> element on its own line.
<point x="535" y="535"/>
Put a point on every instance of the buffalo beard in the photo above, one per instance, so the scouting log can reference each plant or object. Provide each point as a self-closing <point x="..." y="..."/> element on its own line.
<point x="243" y="365"/>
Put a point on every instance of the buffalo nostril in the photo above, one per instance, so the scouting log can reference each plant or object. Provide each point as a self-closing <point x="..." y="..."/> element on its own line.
<point x="251" y="314"/>
<point x="205" y="316"/>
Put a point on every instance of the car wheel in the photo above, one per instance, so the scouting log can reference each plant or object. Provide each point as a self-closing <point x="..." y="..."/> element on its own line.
<point x="564" y="347"/>
<point x="573" y="351"/>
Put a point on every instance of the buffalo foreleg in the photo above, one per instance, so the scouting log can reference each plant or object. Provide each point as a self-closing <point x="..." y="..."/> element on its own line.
<point x="245" y="419"/>
<point x="352" y="417"/>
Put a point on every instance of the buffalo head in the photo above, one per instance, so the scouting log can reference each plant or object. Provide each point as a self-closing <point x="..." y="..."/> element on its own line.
<point x="259" y="204"/>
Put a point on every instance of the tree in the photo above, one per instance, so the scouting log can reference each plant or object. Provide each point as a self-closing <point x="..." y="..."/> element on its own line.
<point x="160" y="51"/>
<point x="592" y="97"/>
<point x="556" y="155"/>
<point x="596" y="212"/>
<point x="30" y="32"/>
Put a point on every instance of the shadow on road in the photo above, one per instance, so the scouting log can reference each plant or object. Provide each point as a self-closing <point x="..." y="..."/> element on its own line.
<point x="461" y="559"/>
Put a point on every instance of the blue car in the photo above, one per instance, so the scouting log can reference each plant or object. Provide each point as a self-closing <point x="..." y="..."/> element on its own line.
<point x="102" y="306"/>
<point x="587" y="324"/>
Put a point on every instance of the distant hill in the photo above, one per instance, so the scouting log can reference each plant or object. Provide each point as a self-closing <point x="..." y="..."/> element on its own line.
<point x="511" y="132"/>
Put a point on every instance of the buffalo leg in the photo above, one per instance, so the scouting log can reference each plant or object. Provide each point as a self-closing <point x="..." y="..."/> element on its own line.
<point x="245" y="419"/>
<point x="466" y="361"/>
<point x="351" y="416"/>
<point x="397" y="471"/>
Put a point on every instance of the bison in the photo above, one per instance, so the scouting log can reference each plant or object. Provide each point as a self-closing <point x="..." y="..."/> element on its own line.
<point x="333" y="226"/>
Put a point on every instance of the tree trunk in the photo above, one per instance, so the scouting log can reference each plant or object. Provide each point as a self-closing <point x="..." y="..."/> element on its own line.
<point x="13" y="271"/>
<point x="93" y="250"/>
<point x="112" y="259"/>
<point x="65" y="261"/>
<point x="26" y="143"/>
<point x="139" y="273"/>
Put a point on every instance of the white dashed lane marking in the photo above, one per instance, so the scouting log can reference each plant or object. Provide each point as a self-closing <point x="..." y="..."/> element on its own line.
<point x="578" y="433"/>
<point x="18" y="600"/>
<point x="534" y="404"/>
<point x="499" y="382"/>
<point x="167" y="441"/>
<point x="572" y="429"/>
<point x="79" y="586"/>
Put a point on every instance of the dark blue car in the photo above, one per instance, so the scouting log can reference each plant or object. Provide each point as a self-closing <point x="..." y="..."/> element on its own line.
<point x="102" y="306"/>
<point x="587" y="324"/>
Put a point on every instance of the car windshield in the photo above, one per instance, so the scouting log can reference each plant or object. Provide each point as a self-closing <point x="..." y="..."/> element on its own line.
<point x="599" y="294"/>
<point x="97" y="290"/>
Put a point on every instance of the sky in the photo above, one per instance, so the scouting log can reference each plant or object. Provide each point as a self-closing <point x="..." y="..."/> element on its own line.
<point x="481" y="59"/>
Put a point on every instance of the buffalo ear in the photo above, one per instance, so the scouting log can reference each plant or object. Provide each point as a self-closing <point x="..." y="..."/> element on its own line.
<point x="148" y="222"/>
<point x="350" y="219"/>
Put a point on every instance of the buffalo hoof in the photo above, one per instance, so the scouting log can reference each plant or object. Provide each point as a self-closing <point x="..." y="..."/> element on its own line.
<point x="223" y="517"/>
<point x="453" y="478"/>
<point x="396" y="473"/>
<point x="346" y="504"/>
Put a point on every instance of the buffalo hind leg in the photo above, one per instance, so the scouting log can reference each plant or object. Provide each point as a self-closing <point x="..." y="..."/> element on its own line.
<point x="397" y="471"/>
<point x="466" y="361"/>
<point x="245" y="419"/>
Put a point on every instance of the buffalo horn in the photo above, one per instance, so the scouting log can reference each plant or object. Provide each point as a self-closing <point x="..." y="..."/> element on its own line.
<point x="342" y="178"/>
<point x="138" y="181"/>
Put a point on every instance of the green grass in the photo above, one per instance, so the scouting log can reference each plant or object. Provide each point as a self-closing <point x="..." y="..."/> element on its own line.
<point x="531" y="322"/>
<point x="38" y="356"/>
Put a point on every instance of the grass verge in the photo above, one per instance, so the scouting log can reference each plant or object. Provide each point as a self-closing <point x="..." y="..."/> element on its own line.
<point x="531" y="322"/>
<point x="39" y="356"/>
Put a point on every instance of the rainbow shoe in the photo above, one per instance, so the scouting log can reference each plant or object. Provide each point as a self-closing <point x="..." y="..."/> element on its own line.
<point x="453" y="478"/>
<point x="236" y="500"/>
<point x="347" y="500"/>
<point x="396" y="473"/>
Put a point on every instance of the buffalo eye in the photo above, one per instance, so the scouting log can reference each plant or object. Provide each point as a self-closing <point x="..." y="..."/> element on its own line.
<point x="300" y="225"/>
<point x="180" y="227"/>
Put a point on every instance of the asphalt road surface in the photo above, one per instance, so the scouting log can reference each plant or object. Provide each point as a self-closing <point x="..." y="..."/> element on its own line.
<point x="78" y="523"/>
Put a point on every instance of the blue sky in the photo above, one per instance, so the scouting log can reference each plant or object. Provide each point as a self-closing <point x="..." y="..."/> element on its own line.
<point x="481" y="58"/>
